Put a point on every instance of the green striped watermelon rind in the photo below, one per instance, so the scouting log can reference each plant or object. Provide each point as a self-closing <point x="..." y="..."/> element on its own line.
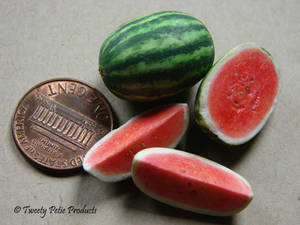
<point x="202" y="116"/>
<point x="156" y="78"/>
<point x="142" y="154"/>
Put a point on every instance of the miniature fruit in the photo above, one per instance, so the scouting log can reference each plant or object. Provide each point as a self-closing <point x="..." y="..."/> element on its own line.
<point x="190" y="182"/>
<point x="110" y="158"/>
<point x="238" y="94"/>
<point x="156" y="56"/>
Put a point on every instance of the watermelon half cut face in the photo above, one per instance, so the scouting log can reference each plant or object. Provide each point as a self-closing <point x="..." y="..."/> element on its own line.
<point x="238" y="94"/>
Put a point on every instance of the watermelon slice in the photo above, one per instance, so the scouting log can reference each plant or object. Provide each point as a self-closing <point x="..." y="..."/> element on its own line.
<point x="110" y="158"/>
<point x="190" y="182"/>
<point x="238" y="94"/>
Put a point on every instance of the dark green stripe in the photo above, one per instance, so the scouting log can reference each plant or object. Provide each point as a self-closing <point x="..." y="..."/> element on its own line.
<point x="170" y="30"/>
<point x="151" y="57"/>
<point x="132" y="22"/>
<point x="178" y="73"/>
<point x="148" y="90"/>
<point x="153" y="23"/>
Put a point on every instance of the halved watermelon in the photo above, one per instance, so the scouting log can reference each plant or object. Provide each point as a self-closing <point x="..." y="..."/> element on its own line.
<point x="110" y="158"/>
<point x="190" y="182"/>
<point x="238" y="94"/>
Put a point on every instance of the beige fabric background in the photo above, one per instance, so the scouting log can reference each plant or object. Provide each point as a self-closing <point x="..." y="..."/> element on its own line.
<point x="41" y="40"/>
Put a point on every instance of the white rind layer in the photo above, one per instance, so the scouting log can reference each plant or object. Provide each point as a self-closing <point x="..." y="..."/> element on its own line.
<point x="109" y="178"/>
<point x="212" y="74"/>
<point x="144" y="153"/>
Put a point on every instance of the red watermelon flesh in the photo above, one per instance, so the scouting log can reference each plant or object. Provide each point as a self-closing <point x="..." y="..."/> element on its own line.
<point x="110" y="158"/>
<point x="190" y="182"/>
<point x="243" y="92"/>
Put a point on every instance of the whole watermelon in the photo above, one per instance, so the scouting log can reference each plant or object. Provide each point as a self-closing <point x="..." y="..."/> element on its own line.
<point x="156" y="56"/>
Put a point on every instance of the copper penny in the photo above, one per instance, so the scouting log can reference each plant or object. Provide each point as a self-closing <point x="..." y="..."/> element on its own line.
<point x="57" y="121"/>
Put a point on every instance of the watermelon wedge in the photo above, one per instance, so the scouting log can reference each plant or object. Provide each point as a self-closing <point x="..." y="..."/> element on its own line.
<point x="190" y="182"/>
<point x="238" y="94"/>
<point x="110" y="158"/>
